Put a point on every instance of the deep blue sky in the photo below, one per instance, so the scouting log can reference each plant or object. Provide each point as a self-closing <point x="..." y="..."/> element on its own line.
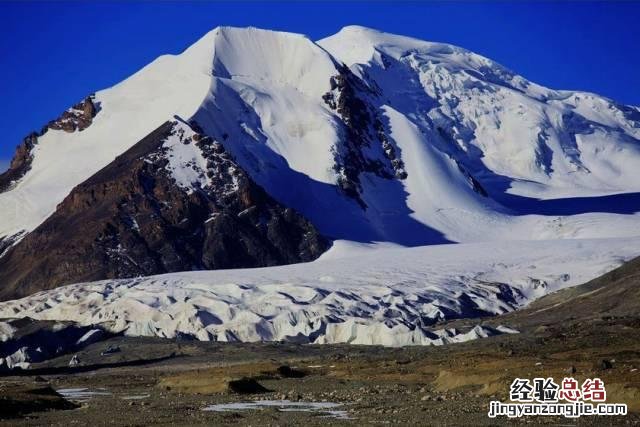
<point x="53" y="54"/>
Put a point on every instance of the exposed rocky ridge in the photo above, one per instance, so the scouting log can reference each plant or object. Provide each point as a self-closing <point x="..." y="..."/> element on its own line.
<point x="136" y="217"/>
<point x="78" y="117"/>
<point x="365" y="145"/>
<point x="20" y="163"/>
<point x="8" y="241"/>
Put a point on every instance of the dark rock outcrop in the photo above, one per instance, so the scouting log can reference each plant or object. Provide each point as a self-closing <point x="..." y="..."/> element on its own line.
<point x="79" y="117"/>
<point x="8" y="241"/>
<point x="133" y="218"/>
<point x="473" y="182"/>
<point x="364" y="132"/>
<point x="20" y="164"/>
<point x="246" y="386"/>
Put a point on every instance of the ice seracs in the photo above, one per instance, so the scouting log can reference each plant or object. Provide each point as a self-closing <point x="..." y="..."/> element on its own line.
<point x="387" y="296"/>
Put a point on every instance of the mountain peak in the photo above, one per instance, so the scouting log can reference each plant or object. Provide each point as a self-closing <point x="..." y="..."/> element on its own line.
<point x="413" y="142"/>
<point x="358" y="28"/>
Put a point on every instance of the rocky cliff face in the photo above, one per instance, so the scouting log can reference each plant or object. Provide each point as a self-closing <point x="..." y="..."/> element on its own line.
<point x="365" y="145"/>
<point x="175" y="201"/>
<point x="20" y="163"/>
<point x="77" y="118"/>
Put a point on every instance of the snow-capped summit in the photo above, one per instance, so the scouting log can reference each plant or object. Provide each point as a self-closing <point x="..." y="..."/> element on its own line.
<point x="545" y="141"/>
<point x="366" y="136"/>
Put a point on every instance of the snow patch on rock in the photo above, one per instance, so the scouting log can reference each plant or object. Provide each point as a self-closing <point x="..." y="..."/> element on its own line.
<point x="186" y="162"/>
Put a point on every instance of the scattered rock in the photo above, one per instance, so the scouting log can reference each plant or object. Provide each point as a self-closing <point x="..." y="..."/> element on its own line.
<point x="75" y="361"/>
<point x="247" y="386"/>
<point x="286" y="371"/>
<point x="605" y="364"/>
<point x="112" y="349"/>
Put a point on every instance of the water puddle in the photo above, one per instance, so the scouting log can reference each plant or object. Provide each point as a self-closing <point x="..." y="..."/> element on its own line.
<point x="326" y="409"/>
<point x="82" y="394"/>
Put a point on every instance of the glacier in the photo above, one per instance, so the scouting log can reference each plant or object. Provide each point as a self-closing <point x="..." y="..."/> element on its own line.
<point x="358" y="295"/>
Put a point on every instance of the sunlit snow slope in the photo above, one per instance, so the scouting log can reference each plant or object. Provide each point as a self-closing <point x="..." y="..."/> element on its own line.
<point x="523" y="142"/>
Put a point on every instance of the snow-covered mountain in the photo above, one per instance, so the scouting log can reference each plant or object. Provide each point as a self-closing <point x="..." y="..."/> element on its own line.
<point x="361" y="137"/>
<point x="302" y="124"/>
